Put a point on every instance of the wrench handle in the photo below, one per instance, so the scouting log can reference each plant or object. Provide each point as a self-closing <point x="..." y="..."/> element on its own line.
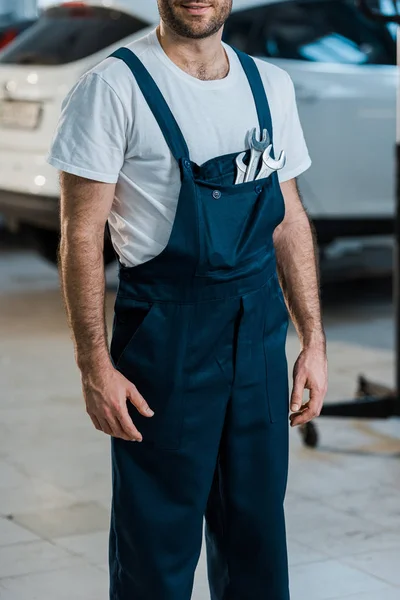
<point x="253" y="164"/>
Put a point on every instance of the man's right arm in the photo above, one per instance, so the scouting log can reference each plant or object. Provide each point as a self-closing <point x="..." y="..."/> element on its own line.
<point x="85" y="206"/>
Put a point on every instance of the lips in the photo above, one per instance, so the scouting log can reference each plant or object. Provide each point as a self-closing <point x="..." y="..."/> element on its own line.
<point x="195" y="8"/>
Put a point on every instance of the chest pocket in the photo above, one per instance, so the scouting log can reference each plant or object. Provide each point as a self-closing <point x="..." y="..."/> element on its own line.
<point x="236" y="223"/>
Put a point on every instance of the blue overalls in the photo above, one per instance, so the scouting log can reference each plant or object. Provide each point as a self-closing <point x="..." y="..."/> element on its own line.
<point x="201" y="331"/>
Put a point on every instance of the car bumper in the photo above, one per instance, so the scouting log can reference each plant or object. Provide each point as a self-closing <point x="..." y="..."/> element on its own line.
<point x="40" y="211"/>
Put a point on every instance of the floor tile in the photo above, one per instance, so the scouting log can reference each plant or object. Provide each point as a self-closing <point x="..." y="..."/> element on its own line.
<point x="386" y="594"/>
<point x="10" y="476"/>
<point x="30" y="557"/>
<point x="18" y="489"/>
<point x="93" y="546"/>
<point x="300" y="554"/>
<point x="378" y="504"/>
<point x="10" y="533"/>
<point x="385" y="565"/>
<point x="200" y="589"/>
<point x="336" y="533"/>
<point x="349" y="538"/>
<point x="34" y="494"/>
<point x="60" y="522"/>
<point x="80" y="582"/>
<point x="330" y="579"/>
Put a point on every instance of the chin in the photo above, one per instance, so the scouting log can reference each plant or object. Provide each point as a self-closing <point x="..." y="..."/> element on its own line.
<point x="197" y="30"/>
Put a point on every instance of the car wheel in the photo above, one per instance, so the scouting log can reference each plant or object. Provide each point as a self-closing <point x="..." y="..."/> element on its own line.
<point x="46" y="242"/>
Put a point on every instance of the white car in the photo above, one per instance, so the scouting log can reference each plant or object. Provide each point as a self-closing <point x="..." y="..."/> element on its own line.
<point x="342" y="65"/>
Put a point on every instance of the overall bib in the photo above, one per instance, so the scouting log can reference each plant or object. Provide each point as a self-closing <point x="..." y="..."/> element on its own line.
<point x="201" y="331"/>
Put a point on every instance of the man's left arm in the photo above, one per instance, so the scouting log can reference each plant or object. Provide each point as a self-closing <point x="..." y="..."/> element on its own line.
<point x="297" y="262"/>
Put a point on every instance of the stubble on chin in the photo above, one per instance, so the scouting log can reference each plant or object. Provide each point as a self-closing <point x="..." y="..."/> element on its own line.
<point x="193" y="28"/>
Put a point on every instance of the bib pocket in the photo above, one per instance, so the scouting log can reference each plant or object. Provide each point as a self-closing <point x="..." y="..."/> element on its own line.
<point x="275" y="334"/>
<point x="148" y="348"/>
<point x="234" y="228"/>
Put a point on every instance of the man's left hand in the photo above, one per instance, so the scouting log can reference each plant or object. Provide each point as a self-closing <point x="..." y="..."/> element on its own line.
<point x="310" y="373"/>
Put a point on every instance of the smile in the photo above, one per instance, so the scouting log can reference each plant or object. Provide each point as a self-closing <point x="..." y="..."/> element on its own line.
<point x="196" y="9"/>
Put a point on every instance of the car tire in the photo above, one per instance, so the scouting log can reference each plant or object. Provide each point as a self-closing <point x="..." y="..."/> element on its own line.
<point x="47" y="241"/>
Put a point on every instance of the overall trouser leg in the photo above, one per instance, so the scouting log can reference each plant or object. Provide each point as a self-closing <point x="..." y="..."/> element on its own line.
<point x="160" y="495"/>
<point x="246" y="538"/>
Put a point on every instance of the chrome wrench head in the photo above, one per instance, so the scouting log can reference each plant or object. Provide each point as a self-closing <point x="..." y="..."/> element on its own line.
<point x="241" y="168"/>
<point x="270" y="165"/>
<point x="265" y="170"/>
<point x="277" y="165"/>
<point x="257" y="148"/>
<point x="259" y="145"/>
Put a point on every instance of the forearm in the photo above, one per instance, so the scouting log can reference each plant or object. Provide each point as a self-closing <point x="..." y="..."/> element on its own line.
<point x="297" y="262"/>
<point x="85" y="206"/>
<point x="83" y="285"/>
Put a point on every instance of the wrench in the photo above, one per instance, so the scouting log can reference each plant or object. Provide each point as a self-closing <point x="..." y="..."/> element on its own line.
<point x="257" y="148"/>
<point x="269" y="164"/>
<point x="241" y="168"/>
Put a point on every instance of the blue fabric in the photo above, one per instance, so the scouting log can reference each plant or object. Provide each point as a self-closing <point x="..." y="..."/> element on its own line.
<point x="257" y="86"/>
<point x="155" y="100"/>
<point x="200" y="330"/>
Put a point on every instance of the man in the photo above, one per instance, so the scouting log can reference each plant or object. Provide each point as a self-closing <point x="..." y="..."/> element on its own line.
<point x="149" y="140"/>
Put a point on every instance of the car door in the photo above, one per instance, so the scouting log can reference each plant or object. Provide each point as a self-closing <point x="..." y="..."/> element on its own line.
<point x="342" y="66"/>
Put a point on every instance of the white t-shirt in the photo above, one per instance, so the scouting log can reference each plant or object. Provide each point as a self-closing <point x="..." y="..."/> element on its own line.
<point x="107" y="133"/>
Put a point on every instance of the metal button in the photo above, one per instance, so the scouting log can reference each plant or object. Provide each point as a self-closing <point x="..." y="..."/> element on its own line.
<point x="186" y="163"/>
<point x="217" y="194"/>
<point x="258" y="189"/>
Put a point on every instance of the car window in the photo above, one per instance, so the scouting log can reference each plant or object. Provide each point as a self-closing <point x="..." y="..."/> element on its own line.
<point x="70" y="32"/>
<point x="330" y="31"/>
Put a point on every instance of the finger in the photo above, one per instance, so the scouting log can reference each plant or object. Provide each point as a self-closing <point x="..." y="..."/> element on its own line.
<point x="112" y="424"/>
<point x="297" y="394"/>
<point x="139" y="402"/>
<point x="310" y="411"/>
<point x="95" y="422"/>
<point x="105" y="427"/>
<point x="300" y="418"/>
<point x="128" y="427"/>
<point x="118" y="430"/>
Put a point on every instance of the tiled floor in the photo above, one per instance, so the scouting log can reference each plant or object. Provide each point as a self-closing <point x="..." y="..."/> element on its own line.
<point x="343" y="504"/>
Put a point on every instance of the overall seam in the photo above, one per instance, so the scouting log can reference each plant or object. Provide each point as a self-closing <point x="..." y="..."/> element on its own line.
<point x="197" y="302"/>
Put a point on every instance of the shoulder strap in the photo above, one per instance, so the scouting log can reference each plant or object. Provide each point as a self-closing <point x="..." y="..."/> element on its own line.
<point x="157" y="103"/>
<point x="257" y="87"/>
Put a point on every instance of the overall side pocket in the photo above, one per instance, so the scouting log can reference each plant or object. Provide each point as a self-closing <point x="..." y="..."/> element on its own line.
<point x="129" y="317"/>
<point x="150" y="353"/>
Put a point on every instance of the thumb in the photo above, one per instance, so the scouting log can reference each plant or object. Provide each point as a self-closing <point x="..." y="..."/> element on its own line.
<point x="297" y="395"/>
<point x="138" y="401"/>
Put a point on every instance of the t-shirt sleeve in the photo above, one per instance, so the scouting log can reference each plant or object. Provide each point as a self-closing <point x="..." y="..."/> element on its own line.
<point x="90" y="138"/>
<point x="291" y="137"/>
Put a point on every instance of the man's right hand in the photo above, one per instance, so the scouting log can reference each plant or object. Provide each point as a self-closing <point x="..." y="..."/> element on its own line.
<point x="106" y="394"/>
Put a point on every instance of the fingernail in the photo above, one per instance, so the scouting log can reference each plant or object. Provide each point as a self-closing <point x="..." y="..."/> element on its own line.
<point x="295" y="407"/>
<point x="149" y="411"/>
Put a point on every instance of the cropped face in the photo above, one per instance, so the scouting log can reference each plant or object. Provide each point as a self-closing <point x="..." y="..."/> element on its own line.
<point x="195" y="19"/>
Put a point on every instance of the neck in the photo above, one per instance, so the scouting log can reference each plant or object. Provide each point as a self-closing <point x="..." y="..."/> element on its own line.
<point x="205" y="59"/>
